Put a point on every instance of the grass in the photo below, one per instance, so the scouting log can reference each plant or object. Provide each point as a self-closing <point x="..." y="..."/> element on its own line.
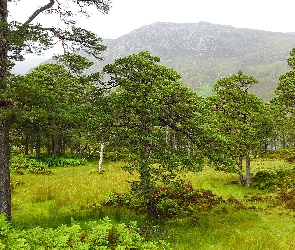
<point x="49" y="200"/>
<point x="75" y="192"/>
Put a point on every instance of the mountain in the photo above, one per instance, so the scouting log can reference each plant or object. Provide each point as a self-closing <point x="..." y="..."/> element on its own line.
<point x="204" y="52"/>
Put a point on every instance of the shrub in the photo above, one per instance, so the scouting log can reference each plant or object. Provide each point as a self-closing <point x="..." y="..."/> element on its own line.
<point x="287" y="154"/>
<point x="170" y="201"/>
<point x="25" y="165"/>
<point x="95" y="235"/>
<point x="274" y="180"/>
<point x="63" y="162"/>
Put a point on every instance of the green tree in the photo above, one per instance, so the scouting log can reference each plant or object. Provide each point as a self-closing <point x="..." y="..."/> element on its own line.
<point x="53" y="106"/>
<point x="266" y="126"/>
<point x="16" y="39"/>
<point x="240" y="118"/>
<point x="285" y="102"/>
<point x="161" y="126"/>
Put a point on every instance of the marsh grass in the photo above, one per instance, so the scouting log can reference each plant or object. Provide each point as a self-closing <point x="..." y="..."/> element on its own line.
<point x="76" y="192"/>
<point x="234" y="229"/>
<point x="48" y="200"/>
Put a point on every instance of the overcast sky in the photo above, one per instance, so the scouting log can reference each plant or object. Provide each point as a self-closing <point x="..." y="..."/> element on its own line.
<point x="127" y="15"/>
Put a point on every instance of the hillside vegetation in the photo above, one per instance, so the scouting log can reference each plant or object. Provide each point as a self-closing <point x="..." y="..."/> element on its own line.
<point x="204" y="52"/>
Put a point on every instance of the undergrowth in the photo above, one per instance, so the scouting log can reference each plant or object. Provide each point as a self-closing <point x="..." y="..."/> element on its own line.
<point x="170" y="202"/>
<point x="209" y="213"/>
<point x="93" y="235"/>
<point x="287" y="154"/>
<point x="28" y="164"/>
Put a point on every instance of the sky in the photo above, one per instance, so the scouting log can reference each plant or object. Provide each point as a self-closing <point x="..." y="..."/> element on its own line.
<point x="127" y="15"/>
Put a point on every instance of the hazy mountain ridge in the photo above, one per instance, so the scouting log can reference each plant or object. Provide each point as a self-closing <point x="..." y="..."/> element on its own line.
<point x="204" y="52"/>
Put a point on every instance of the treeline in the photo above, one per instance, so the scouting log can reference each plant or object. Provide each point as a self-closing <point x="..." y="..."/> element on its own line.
<point x="139" y="110"/>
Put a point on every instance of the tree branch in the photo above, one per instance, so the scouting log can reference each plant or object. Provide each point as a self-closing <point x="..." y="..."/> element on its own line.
<point x="38" y="11"/>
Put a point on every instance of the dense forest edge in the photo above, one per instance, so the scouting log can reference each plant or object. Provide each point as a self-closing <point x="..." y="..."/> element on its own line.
<point x="128" y="157"/>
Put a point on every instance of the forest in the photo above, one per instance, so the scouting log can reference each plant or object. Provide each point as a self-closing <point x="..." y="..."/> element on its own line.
<point x="130" y="158"/>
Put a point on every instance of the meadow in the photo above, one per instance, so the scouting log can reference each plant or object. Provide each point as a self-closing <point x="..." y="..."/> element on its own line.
<point x="250" y="218"/>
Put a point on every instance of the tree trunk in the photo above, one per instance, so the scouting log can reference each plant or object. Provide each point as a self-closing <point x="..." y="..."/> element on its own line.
<point x="26" y="150"/>
<point x="189" y="147"/>
<point x="100" y="156"/>
<point x="48" y="149"/>
<point x="54" y="147"/>
<point x="152" y="208"/>
<point x="147" y="189"/>
<point x="241" y="178"/>
<point x="59" y="145"/>
<point x="175" y="146"/>
<point x="248" y="171"/>
<point x="173" y="141"/>
<point x="167" y="135"/>
<point x="5" y="196"/>
<point x="38" y="147"/>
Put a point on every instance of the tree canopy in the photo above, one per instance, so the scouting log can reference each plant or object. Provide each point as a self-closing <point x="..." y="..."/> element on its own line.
<point x="162" y="127"/>
<point x="17" y="39"/>
<point x="240" y="115"/>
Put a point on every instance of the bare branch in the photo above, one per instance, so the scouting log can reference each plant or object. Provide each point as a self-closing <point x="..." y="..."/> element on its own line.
<point x="38" y="11"/>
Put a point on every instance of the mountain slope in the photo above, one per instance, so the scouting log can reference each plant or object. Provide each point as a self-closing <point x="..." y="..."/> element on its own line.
<point x="204" y="52"/>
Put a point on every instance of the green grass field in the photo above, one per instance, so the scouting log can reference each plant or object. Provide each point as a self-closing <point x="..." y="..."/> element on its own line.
<point x="76" y="192"/>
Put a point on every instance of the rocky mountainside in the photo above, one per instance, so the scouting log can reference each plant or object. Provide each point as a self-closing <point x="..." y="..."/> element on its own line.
<point x="204" y="52"/>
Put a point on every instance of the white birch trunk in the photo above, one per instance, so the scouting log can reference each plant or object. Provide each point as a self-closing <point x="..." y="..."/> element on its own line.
<point x="167" y="135"/>
<point x="189" y="148"/>
<point x="100" y="157"/>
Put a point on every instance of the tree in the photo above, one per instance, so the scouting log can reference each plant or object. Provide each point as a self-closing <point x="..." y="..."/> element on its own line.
<point x="161" y="126"/>
<point x="285" y="102"/>
<point x="16" y="39"/>
<point x="52" y="105"/>
<point x="240" y="115"/>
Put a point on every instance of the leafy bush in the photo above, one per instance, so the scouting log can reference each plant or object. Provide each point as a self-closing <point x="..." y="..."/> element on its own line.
<point x="63" y="162"/>
<point x="95" y="235"/>
<point x="25" y="165"/>
<point x="287" y="154"/>
<point x="274" y="180"/>
<point x="170" y="201"/>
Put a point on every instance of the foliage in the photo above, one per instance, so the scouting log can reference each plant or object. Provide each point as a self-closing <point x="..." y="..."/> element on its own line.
<point x="17" y="39"/>
<point x="93" y="235"/>
<point x="162" y="127"/>
<point x="285" y="102"/>
<point x="274" y="180"/>
<point x="285" y="89"/>
<point x="171" y="202"/>
<point x="251" y="223"/>
<point x="287" y="154"/>
<point x="26" y="165"/>
<point x="28" y="37"/>
<point x="53" y="107"/>
<point x="62" y="161"/>
<point x="241" y="118"/>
